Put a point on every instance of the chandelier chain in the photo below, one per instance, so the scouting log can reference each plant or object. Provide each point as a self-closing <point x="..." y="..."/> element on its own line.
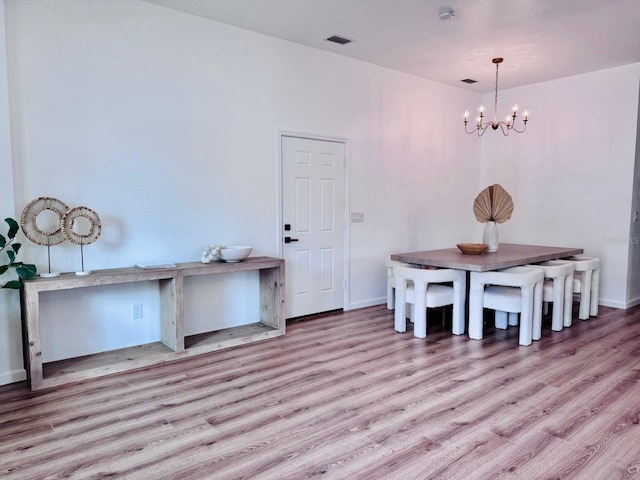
<point x="495" y="100"/>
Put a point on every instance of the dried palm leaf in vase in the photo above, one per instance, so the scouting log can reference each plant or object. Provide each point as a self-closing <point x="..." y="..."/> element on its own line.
<point x="493" y="204"/>
<point x="502" y="206"/>
<point x="482" y="206"/>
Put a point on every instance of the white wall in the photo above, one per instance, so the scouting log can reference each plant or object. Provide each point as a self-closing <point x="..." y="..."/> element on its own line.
<point x="166" y="125"/>
<point x="571" y="173"/>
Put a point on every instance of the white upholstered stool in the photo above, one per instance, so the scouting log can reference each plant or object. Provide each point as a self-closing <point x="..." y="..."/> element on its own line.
<point x="510" y="291"/>
<point x="558" y="288"/>
<point x="426" y="288"/>
<point x="586" y="282"/>
<point x="391" y="281"/>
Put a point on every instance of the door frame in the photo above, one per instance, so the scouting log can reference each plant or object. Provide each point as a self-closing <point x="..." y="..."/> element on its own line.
<point x="279" y="186"/>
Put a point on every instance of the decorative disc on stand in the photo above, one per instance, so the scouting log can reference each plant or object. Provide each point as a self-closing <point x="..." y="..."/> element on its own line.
<point x="47" y="232"/>
<point x="81" y="226"/>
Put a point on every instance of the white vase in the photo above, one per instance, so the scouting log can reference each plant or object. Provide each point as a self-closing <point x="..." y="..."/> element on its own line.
<point x="490" y="236"/>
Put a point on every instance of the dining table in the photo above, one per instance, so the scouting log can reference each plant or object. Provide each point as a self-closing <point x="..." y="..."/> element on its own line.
<point x="507" y="255"/>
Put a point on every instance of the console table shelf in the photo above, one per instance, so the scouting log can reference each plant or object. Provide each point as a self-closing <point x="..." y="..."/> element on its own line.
<point x="173" y="344"/>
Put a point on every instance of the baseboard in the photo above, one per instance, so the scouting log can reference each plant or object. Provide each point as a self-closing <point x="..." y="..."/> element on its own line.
<point x="632" y="303"/>
<point x="607" y="303"/>
<point x="13" y="376"/>
<point x="613" y="304"/>
<point x="603" y="302"/>
<point x="367" y="303"/>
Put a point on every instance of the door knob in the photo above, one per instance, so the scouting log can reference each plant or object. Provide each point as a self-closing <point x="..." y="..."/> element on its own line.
<point x="289" y="240"/>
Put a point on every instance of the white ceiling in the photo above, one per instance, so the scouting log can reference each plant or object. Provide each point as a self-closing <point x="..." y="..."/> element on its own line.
<point x="540" y="40"/>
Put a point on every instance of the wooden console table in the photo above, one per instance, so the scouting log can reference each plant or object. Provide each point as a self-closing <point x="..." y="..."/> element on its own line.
<point x="174" y="344"/>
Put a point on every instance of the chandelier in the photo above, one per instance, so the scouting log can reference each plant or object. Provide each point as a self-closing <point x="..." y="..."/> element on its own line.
<point x="506" y="125"/>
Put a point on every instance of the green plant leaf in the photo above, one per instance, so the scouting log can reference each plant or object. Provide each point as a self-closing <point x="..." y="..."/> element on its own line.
<point x="15" y="284"/>
<point x="13" y="227"/>
<point x="23" y="270"/>
<point x="26" y="271"/>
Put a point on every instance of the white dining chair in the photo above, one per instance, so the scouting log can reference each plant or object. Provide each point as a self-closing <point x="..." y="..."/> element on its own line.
<point x="586" y="282"/>
<point x="426" y="288"/>
<point x="509" y="291"/>
<point x="558" y="289"/>
<point x="391" y="281"/>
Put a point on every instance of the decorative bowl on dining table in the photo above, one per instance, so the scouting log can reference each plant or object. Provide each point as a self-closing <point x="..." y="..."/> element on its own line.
<point x="472" y="248"/>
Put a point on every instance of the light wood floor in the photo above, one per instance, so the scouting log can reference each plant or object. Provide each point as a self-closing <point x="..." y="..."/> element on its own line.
<point x="345" y="397"/>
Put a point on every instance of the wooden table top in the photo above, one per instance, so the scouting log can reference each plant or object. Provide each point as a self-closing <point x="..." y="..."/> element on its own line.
<point x="508" y="255"/>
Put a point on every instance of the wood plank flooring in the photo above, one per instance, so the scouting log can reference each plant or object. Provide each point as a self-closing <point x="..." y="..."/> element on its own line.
<point x="342" y="396"/>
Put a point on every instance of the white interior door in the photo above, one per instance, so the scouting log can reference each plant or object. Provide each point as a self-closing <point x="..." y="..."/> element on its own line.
<point x="313" y="212"/>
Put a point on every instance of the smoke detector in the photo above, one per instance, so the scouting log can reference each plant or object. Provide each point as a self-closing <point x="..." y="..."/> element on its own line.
<point x="446" y="14"/>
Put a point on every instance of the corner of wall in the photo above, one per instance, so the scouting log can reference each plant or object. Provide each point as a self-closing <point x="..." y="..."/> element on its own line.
<point x="10" y="353"/>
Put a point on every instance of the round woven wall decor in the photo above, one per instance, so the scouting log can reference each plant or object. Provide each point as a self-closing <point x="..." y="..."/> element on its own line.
<point x="29" y="221"/>
<point x="81" y="238"/>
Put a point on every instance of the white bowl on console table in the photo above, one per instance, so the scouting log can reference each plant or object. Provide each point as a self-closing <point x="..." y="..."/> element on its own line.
<point x="235" y="253"/>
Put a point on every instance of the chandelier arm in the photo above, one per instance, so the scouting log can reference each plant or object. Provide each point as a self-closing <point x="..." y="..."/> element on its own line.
<point x="482" y="129"/>
<point x="520" y="131"/>
<point x="479" y="129"/>
<point x="467" y="131"/>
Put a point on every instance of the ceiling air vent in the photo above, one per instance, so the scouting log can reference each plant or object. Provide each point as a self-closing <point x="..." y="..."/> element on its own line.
<point x="340" y="40"/>
<point x="468" y="80"/>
